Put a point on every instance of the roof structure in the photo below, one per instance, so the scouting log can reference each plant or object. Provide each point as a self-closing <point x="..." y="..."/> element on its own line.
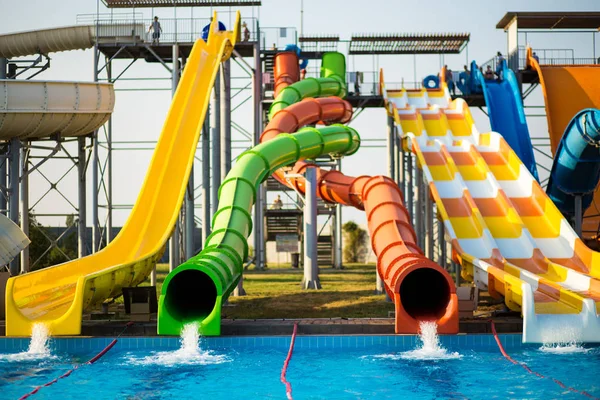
<point x="408" y="43"/>
<point x="552" y="20"/>
<point x="319" y="43"/>
<point x="179" y="3"/>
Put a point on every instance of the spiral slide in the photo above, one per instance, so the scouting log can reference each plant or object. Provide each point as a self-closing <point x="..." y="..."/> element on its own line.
<point x="569" y="89"/>
<point x="420" y="289"/>
<point x="58" y="295"/>
<point x="505" y="231"/>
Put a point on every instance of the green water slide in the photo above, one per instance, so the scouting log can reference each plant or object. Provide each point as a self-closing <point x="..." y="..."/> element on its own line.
<point x="196" y="290"/>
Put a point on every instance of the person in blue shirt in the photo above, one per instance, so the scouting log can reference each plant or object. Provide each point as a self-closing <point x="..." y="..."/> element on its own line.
<point x="155" y="26"/>
<point x="499" y="60"/>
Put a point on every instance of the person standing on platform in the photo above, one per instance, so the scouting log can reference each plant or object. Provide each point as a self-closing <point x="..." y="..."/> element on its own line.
<point x="157" y="29"/>
<point x="499" y="61"/>
<point x="246" y="32"/>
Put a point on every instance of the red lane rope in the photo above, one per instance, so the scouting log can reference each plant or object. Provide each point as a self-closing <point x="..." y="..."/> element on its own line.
<point x="89" y="362"/>
<point x="288" y="386"/>
<point x="526" y="368"/>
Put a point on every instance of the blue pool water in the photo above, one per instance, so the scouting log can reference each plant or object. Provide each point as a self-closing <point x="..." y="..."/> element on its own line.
<point x="343" y="367"/>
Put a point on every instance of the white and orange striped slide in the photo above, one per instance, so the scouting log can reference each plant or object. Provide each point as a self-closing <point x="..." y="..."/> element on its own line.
<point x="507" y="234"/>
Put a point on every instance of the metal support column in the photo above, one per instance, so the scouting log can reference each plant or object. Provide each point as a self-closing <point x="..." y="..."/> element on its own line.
<point x="25" y="207"/>
<point x="174" y="249"/>
<point x="95" y="170"/>
<point x="13" y="193"/>
<point x="391" y="147"/>
<point x="442" y="243"/>
<point x="338" y="260"/>
<point x="398" y="159"/>
<point x="429" y="238"/>
<point x="259" y="240"/>
<point x="409" y="183"/>
<point x="225" y="119"/>
<point x="109" y="201"/>
<point x="206" y="178"/>
<point x="578" y="215"/>
<point x="418" y="206"/>
<point x="215" y="141"/>
<point x="81" y="197"/>
<point x="4" y="157"/>
<point x="311" y="267"/>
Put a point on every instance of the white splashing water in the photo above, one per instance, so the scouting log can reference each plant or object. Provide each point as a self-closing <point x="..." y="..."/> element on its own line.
<point x="562" y="339"/>
<point x="430" y="348"/>
<point x="39" y="347"/>
<point x="189" y="353"/>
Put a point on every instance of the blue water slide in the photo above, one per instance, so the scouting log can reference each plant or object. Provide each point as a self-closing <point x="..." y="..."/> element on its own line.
<point x="576" y="167"/>
<point x="507" y="117"/>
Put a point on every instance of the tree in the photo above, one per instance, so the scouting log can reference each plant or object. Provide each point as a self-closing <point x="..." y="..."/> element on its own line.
<point x="355" y="242"/>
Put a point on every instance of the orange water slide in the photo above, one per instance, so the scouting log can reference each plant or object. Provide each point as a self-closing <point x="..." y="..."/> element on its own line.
<point x="420" y="288"/>
<point x="567" y="90"/>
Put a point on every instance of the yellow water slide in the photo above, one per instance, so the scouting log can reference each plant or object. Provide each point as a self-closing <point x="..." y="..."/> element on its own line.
<point x="507" y="234"/>
<point x="567" y="90"/>
<point x="59" y="295"/>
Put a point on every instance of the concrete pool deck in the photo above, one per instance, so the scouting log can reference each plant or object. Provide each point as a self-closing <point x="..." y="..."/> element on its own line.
<point x="307" y="326"/>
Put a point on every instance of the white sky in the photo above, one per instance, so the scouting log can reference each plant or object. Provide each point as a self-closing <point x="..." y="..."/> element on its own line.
<point x="139" y="115"/>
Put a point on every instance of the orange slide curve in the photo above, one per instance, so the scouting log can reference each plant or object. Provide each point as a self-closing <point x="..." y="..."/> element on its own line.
<point x="567" y="90"/>
<point x="420" y="288"/>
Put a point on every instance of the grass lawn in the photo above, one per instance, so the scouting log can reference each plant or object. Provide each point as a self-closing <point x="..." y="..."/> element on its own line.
<point x="276" y="293"/>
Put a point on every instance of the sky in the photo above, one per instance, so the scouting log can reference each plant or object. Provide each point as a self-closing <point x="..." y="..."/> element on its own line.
<point x="139" y="115"/>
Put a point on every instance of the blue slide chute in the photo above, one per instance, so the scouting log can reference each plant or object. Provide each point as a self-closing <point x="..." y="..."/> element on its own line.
<point x="507" y="117"/>
<point x="576" y="167"/>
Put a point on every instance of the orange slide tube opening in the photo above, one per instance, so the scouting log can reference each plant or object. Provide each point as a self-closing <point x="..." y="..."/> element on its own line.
<point x="420" y="288"/>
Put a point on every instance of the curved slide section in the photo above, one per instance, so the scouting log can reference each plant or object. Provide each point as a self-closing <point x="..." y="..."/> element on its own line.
<point x="576" y="167"/>
<point x="506" y="113"/>
<point x="47" y="41"/>
<point x="58" y="295"/>
<point x="36" y="109"/>
<point x="12" y="240"/>
<point x="569" y="89"/>
<point x="508" y="235"/>
<point x="420" y="289"/>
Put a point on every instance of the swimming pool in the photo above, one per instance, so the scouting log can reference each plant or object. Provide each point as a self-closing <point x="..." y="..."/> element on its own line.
<point x="335" y="367"/>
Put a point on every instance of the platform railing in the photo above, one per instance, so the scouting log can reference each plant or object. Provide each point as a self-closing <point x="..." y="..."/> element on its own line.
<point x="277" y="38"/>
<point x="174" y="30"/>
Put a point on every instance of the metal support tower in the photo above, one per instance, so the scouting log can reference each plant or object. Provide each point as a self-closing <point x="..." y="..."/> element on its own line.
<point x="25" y="206"/>
<point x="13" y="193"/>
<point x="4" y="156"/>
<point x="311" y="267"/>
<point x="206" y="177"/>
<point x="96" y="240"/>
<point x="81" y="194"/>
<point x="215" y="141"/>
<point x="338" y="260"/>
<point x="259" y="240"/>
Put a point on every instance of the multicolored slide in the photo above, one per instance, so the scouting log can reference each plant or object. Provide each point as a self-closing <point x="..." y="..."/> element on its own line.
<point x="569" y="89"/>
<point x="507" y="234"/>
<point x="420" y="289"/>
<point x="58" y="295"/>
